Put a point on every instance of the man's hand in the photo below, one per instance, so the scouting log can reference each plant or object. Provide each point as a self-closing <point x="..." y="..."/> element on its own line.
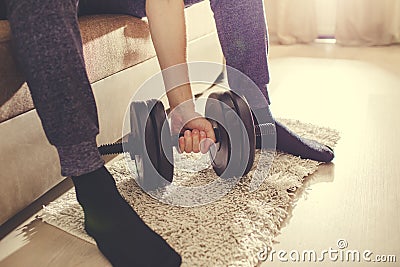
<point x="198" y="132"/>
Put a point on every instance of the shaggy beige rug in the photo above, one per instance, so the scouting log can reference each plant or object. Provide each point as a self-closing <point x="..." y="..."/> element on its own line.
<point x="229" y="232"/>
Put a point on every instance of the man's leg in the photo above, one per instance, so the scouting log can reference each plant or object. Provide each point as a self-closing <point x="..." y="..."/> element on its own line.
<point x="48" y="47"/>
<point x="49" y="50"/>
<point x="243" y="35"/>
<point x="3" y="14"/>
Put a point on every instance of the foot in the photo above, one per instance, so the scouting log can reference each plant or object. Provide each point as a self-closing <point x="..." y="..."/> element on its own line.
<point x="120" y="234"/>
<point x="289" y="142"/>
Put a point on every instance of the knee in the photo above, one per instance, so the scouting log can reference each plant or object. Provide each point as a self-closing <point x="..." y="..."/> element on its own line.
<point x="36" y="23"/>
<point x="214" y="4"/>
<point x="27" y="9"/>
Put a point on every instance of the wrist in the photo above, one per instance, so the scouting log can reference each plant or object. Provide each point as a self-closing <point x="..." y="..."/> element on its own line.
<point x="186" y="107"/>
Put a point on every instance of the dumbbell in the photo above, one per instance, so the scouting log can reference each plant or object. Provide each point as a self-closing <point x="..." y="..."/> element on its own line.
<point x="150" y="142"/>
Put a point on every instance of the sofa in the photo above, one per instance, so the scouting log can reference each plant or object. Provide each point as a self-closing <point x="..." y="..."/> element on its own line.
<point x="119" y="56"/>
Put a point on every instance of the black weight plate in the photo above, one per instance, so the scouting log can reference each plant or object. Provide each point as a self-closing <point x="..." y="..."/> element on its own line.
<point x="138" y="119"/>
<point x="235" y="166"/>
<point x="249" y="139"/>
<point x="215" y="113"/>
<point x="227" y="159"/>
<point x="147" y="160"/>
<point x="162" y="139"/>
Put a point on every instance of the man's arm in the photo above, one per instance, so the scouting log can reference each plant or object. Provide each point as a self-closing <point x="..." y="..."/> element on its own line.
<point x="168" y="32"/>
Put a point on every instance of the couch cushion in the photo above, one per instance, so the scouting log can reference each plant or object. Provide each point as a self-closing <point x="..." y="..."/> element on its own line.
<point x="111" y="43"/>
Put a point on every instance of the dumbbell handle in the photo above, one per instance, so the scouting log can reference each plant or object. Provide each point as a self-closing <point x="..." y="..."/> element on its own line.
<point x="118" y="148"/>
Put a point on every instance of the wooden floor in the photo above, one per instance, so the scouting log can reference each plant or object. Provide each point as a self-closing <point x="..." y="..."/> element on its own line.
<point x="355" y="198"/>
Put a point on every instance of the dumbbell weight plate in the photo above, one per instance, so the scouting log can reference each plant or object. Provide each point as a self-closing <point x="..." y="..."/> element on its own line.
<point x="249" y="139"/>
<point x="162" y="138"/>
<point x="147" y="158"/>
<point x="215" y="113"/>
<point x="140" y="124"/>
<point x="227" y="160"/>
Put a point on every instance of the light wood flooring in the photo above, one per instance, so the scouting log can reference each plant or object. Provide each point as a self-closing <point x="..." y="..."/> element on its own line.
<point x="356" y="197"/>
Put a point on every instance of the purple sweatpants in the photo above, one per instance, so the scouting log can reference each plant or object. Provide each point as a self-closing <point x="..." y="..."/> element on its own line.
<point x="49" y="49"/>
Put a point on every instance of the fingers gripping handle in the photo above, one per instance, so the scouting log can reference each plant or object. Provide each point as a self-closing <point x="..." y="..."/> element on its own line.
<point x="175" y="137"/>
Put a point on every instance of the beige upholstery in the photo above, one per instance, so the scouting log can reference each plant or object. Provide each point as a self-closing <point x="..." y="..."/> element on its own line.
<point x="119" y="56"/>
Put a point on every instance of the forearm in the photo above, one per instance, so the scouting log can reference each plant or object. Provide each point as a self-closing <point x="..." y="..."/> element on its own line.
<point x="168" y="32"/>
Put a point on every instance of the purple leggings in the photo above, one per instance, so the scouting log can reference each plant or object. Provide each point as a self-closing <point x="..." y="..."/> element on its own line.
<point x="49" y="49"/>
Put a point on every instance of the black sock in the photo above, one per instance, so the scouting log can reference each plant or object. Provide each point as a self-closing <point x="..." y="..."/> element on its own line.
<point x="289" y="142"/>
<point x="120" y="234"/>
